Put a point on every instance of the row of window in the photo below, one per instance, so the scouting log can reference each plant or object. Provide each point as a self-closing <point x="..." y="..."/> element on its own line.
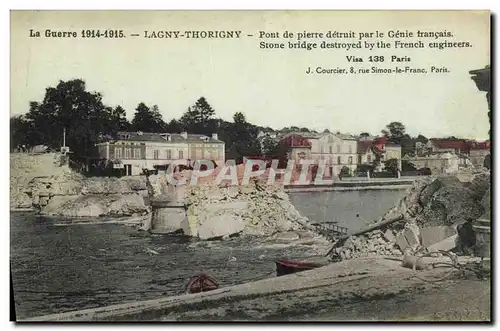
<point x="128" y="153"/>
<point x="156" y="154"/>
<point x="330" y="149"/>
<point x="135" y="153"/>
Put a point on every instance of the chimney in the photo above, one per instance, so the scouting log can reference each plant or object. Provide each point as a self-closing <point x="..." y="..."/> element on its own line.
<point x="215" y="136"/>
<point x="184" y="135"/>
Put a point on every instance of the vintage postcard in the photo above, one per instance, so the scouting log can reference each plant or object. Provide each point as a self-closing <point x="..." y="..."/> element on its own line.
<point x="250" y="165"/>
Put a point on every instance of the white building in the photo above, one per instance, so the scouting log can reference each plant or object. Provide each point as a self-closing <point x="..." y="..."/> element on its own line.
<point x="136" y="151"/>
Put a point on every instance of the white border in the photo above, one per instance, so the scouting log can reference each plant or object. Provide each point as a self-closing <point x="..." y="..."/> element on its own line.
<point x="148" y="4"/>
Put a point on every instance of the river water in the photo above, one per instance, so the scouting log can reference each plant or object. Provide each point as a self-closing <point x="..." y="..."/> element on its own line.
<point x="62" y="268"/>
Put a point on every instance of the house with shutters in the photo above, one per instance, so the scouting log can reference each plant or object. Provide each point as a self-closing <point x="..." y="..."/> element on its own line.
<point x="335" y="150"/>
<point x="369" y="150"/>
<point x="135" y="151"/>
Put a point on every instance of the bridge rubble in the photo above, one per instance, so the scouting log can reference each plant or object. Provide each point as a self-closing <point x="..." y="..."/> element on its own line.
<point x="435" y="208"/>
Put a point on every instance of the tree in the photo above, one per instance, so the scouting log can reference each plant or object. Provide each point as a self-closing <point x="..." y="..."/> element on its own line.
<point x="243" y="136"/>
<point x="392" y="165"/>
<point x="19" y="126"/>
<point x="148" y="120"/>
<point x="199" y="118"/>
<point x="326" y="131"/>
<point x="408" y="166"/>
<point x="421" y="139"/>
<point x="174" y="126"/>
<point x="270" y="147"/>
<point x="407" y="144"/>
<point x="68" y="106"/>
<point x="395" y="131"/>
<point x="364" y="134"/>
<point x="345" y="172"/>
<point x="117" y="119"/>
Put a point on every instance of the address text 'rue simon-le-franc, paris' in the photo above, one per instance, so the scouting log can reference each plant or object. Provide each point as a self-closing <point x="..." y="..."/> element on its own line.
<point x="367" y="52"/>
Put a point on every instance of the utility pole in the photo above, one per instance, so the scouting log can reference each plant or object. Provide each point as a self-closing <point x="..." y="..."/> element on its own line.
<point x="64" y="137"/>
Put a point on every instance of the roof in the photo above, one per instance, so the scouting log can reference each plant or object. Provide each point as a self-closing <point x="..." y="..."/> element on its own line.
<point x="484" y="145"/>
<point x="309" y="135"/>
<point x="450" y="144"/>
<point x="159" y="137"/>
<point x="363" y="146"/>
<point x="346" y="136"/>
<point x="295" y="141"/>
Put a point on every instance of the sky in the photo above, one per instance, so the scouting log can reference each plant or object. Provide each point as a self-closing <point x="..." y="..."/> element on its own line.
<point x="269" y="86"/>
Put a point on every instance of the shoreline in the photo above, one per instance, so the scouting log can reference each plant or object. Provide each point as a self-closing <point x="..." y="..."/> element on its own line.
<point x="317" y="188"/>
<point x="353" y="282"/>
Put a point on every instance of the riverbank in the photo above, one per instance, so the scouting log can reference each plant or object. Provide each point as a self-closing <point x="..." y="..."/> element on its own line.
<point x="323" y="292"/>
<point x="358" y="184"/>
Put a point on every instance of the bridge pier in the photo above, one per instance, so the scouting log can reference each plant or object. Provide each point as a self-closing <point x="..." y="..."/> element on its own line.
<point x="169" y="213"/>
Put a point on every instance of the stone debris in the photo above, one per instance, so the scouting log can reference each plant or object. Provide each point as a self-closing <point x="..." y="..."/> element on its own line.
<point x="40" y="183"/>
<point x="248" y="210"/>
<point x="436" y="234"/>
<point x="432" y="210"/>
<point x="389" y="236"/>
<point x="445" y="245"/>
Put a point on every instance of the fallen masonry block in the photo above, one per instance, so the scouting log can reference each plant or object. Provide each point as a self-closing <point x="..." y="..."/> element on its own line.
<point x="389" y="236"/>
<point x="411" y="234"/>
<point x="445" y="245"/>
<point x="435" y="234"/>
<point x="401" y="242"/>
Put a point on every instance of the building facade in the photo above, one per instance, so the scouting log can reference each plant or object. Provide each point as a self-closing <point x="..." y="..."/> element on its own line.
<point x="478" y="152"/>
<point x="335" y="150"/>
<point x="369" y="150"/>
<point x="136" y="151"/>
<point x="439" y="163"/>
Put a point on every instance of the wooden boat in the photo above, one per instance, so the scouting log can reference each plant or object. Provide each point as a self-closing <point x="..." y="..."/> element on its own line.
<point x="285" y="267"/>
<point x="201" y="283"/>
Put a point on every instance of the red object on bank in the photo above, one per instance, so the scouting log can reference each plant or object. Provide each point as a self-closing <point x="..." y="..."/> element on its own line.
<point x="201" y="283"/>
<point x="285" y="267"/>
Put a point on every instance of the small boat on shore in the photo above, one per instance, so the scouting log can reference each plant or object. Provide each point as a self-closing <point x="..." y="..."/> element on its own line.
<point x="201" y="283"/>
<point x="285" y="267"/>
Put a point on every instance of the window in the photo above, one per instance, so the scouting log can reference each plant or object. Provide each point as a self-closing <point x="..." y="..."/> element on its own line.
<point x="369" y="158"/>
<point x="155" y="154"/>
<point x="169" y="154"/>
<point x="128" y="153"/>
<point x="330" y="149"/>
<point x="338" y="148"/>
<point x="339" y="160"/>
<point x="350" y="149"/>
<point x="181" y="154"/>
<point x="137" y="153"/>
<point x="118" y="153"/>
<point x="350" y="159"/>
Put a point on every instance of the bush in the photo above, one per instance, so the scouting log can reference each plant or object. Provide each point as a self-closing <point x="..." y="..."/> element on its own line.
<point x="345" y="172"/>
<point x="384" y="174"/>
<point x="424" y="172"/>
